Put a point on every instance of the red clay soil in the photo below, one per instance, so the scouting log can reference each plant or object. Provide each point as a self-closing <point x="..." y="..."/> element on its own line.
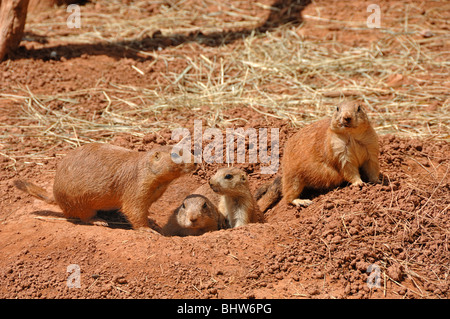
<point x="322" y="251"/>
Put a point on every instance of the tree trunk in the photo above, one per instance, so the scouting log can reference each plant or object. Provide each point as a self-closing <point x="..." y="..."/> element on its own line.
<point x="40" y="5"/>
<point x="13" y="14"/>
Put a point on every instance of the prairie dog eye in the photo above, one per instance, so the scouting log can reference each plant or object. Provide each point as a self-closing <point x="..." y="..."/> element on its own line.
<point x="337" y="109"/>
<point x="228" y="176"/>
<point x="182" y="206"/>
<point x="204" y="206"/>
<point x="359" y="108"/>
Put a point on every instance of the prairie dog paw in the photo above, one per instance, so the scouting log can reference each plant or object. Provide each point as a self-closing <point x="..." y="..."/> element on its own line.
<point x="358" y="183"/>
<point x="148" y="230"/>
<point x="98" y="222"/>
<point x="301" y="202"/>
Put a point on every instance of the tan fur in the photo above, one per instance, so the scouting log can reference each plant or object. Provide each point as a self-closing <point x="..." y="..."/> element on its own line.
<point x="194" y="217"/>
<point x="35" y="191"/>
<point x="106" y="177"/>
<point x="326" y="153"/>
<point x="236" y="201"/>
<point x="269" y="194"/>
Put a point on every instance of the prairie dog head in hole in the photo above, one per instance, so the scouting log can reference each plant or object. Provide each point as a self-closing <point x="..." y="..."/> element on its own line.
<point x="349" y="116"/>
<point x="229" y="181"/>
<point x="197" y="212"/>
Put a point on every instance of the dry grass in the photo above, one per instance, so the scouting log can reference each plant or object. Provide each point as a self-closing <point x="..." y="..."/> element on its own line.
<point x="278" y="73"/>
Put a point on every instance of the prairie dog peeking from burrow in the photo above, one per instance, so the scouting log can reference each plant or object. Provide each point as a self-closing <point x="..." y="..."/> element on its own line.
<point x="236" y="201"/>
<point x="195" y="216"/>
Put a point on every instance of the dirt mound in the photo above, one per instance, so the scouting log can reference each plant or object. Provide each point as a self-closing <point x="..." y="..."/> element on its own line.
<point x="385" y="240"/>
<point x="131" y="78"/>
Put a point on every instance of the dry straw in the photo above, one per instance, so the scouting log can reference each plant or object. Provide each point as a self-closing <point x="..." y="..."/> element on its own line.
<point x="277" y="73"/>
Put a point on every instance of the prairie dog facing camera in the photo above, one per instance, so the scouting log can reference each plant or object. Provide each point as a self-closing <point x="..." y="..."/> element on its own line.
<point x="236" y="202"/>
<point x="101" y="176"/>
<point x="325" y="154"/>
<point x="194" y="217"/>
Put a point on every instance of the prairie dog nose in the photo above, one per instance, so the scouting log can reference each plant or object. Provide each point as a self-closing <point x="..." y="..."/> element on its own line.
<point x="347" y="118"/>
<point x="193" y="218"/>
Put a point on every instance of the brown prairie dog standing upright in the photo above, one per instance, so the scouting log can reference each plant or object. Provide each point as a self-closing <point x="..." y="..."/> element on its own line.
<point x="326" y="153"/>
<point x="100" y="176"/>
<point x="195" y="216"/>
<point x="236" y="201"/>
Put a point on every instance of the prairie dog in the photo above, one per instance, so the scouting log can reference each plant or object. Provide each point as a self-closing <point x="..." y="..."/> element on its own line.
<point x="101" y="176"/>
<point x="194" y="217"/>
<point x="326" y="153"/>
<point x="236" y="202"/>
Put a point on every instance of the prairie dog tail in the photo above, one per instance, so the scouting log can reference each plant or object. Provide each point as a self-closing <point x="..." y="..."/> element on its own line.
<point x="35" y="191"/>
<point x="269" y="194"/>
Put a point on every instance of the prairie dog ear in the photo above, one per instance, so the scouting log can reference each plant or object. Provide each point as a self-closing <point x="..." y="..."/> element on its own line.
<point x="243" y="177"/>
<point x="156" y="156"/>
